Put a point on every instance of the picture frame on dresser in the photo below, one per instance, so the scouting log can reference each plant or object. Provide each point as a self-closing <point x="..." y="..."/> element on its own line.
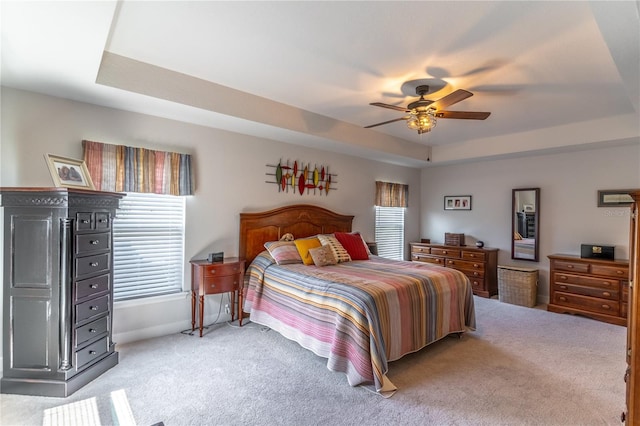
<point x="457" y="202"/>
<point x="69" y="172"/>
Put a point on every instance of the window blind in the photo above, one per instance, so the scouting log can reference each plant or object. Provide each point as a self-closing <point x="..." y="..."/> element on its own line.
<point x="390" y="232"/>
<point x="148" y="246"/>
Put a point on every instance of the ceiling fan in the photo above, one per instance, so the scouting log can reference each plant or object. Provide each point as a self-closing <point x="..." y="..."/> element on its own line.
<point x="423" y="113"/>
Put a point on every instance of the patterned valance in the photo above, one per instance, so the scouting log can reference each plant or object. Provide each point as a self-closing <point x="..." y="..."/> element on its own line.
<point x="119" y="168"/>
<point x="392" y="194"/>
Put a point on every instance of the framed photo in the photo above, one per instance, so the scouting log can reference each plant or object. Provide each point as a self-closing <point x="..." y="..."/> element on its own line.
<point x="68" y="172"/>
<point x="457" y="202"/>
<point x="614" y="198"/>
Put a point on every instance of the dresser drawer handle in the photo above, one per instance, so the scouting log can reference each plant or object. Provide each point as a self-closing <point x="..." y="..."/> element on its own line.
<point x="94" y="308"/>
<point x="93" y="330"/>
<point x="570" y="266"/>
<point x="92" y="352"/>
<point x="213" y="286"/>
<point x="475" y="265"/>
<point x="476" y="283"/>
<point x="94" y="242"/>
<point x="444" y="252"/>
<point x="606" y="307"/>
<point x="563" y="277"/>
<point x="606" y="283"/>
<point x="84" y="221"/>
<point x="563" y="287"/>
<point x="606" y="293"/>
<point x="472" y="255"/>
<point x="94" y="264"/>
<point x="102" y="220"/>
<point x="451" y="262"/>
<point x="619" y="272"/>
<point x="94" y="286"/>
<point x="562" y="298"/>
<point x="213" y="271"/>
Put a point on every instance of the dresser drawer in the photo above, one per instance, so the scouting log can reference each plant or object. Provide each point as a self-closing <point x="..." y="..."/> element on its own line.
<point x="602" y="283"/>
<point x="612" y="294"/>
<point x="87" y="265"/>
<point x="428" y="259"/>
<point x="84" y="221"/>
<point x="602" y="306"/>
<point x="610" y="271"/>
<point x="445" y="252"/>
<point x="87" y="243"/>
<point x="473" y="255"/>
<point x="92" y="287"/>
<point x="222" y="284"/>
<point x="94" y="351"/>
<point x="477" y="284"/>
<point x="102" y="222"/>
<point x="92" y="308"/>
<point x="91" y="330"/>
<point x="219" y="269"/>
<point x="465" y="265"/>
<point x="564" y="265"/>
<point x="420" y="249"/>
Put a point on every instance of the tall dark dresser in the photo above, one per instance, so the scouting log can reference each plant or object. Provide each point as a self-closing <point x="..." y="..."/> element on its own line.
<point x="57" y="289"/>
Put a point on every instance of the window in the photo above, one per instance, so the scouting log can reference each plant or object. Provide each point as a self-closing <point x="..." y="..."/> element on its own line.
<point x="390" y="232"/>
<point x="148" y="246"/>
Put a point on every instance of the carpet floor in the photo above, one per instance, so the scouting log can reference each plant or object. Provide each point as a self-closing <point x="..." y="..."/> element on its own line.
<point x="522" y="366"/>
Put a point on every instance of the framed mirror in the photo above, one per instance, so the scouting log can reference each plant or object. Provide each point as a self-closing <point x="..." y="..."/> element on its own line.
<point x="525" y="224"/>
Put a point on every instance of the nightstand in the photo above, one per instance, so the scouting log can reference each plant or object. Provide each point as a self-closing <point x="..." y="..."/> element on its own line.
<point x="215" y="278"/>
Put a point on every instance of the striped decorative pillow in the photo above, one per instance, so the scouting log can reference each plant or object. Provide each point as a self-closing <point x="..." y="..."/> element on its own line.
<point x="338" y="250"/>
<point x="283" y="252"/>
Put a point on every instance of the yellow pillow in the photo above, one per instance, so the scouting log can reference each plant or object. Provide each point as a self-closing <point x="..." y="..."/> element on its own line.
<point x="303" y="245"/>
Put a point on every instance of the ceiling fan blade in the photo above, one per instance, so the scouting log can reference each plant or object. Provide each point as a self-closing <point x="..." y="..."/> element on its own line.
<point x="387" y="122"/>
<point x="465" y="115"/>
<point x="397" y="108"/>
<point x="451" y="98"/>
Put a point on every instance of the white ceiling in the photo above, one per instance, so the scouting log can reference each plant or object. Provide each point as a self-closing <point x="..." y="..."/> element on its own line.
<point x="555" y="76"/>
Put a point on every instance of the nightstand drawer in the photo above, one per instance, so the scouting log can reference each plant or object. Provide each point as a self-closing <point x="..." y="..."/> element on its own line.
<point x="222" y="284"/>
<point x="220" y="269"/>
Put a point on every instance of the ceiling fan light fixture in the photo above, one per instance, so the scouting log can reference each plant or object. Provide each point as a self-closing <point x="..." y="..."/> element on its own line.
<point x="422" y="121"/>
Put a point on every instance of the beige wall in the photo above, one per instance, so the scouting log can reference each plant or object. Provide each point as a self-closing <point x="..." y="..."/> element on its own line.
<point x="230" y="178"/>
<point x="569" y="214"/>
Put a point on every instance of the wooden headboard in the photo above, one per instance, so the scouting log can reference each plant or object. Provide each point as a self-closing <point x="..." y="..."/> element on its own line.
<point x="301" y="220"/>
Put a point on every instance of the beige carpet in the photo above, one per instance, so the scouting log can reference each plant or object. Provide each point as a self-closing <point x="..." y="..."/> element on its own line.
<point x="522" y="366"/>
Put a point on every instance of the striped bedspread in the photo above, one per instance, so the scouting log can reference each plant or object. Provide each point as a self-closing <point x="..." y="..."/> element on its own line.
<point x="360" y="315"/>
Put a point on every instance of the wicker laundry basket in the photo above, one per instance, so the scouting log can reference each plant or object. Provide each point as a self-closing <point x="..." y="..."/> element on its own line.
<point x="518" y="286"/>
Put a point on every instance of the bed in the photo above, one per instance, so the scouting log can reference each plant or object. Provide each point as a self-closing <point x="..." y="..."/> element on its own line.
<point x="524" y="248"/>
<point x="360" y="314"/>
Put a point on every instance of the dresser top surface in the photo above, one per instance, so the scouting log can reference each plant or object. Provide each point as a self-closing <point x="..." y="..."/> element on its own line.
<point x="577" y="258"/>
<point x="438" y="245"/>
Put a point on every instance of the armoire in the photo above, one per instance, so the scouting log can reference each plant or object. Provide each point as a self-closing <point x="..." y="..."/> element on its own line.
<point x="631" y="415"/>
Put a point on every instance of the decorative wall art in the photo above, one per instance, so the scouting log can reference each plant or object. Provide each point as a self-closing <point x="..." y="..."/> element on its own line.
<point x="457" y="202"/>
<point x="300" y="177"/>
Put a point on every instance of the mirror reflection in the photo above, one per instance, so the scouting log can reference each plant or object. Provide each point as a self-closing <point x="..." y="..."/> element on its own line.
<point x="525" y="224"/>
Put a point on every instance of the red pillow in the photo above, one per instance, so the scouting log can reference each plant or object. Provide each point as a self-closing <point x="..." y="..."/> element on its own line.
<point x="353" y="244"/>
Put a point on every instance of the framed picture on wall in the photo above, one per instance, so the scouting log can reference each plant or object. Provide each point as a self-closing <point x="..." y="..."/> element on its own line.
<point x="614" y="197"/>
<point x="69" y="173"/>
<point x="457" y="202"/>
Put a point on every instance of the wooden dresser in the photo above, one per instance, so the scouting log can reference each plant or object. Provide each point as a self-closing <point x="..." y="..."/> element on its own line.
<point x="479" y="264"/>
<point x="58" y="289"/>
<point x="595" y="288"/>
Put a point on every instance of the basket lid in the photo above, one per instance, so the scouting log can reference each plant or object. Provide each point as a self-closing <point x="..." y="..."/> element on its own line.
<point x="517" y="268"/>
